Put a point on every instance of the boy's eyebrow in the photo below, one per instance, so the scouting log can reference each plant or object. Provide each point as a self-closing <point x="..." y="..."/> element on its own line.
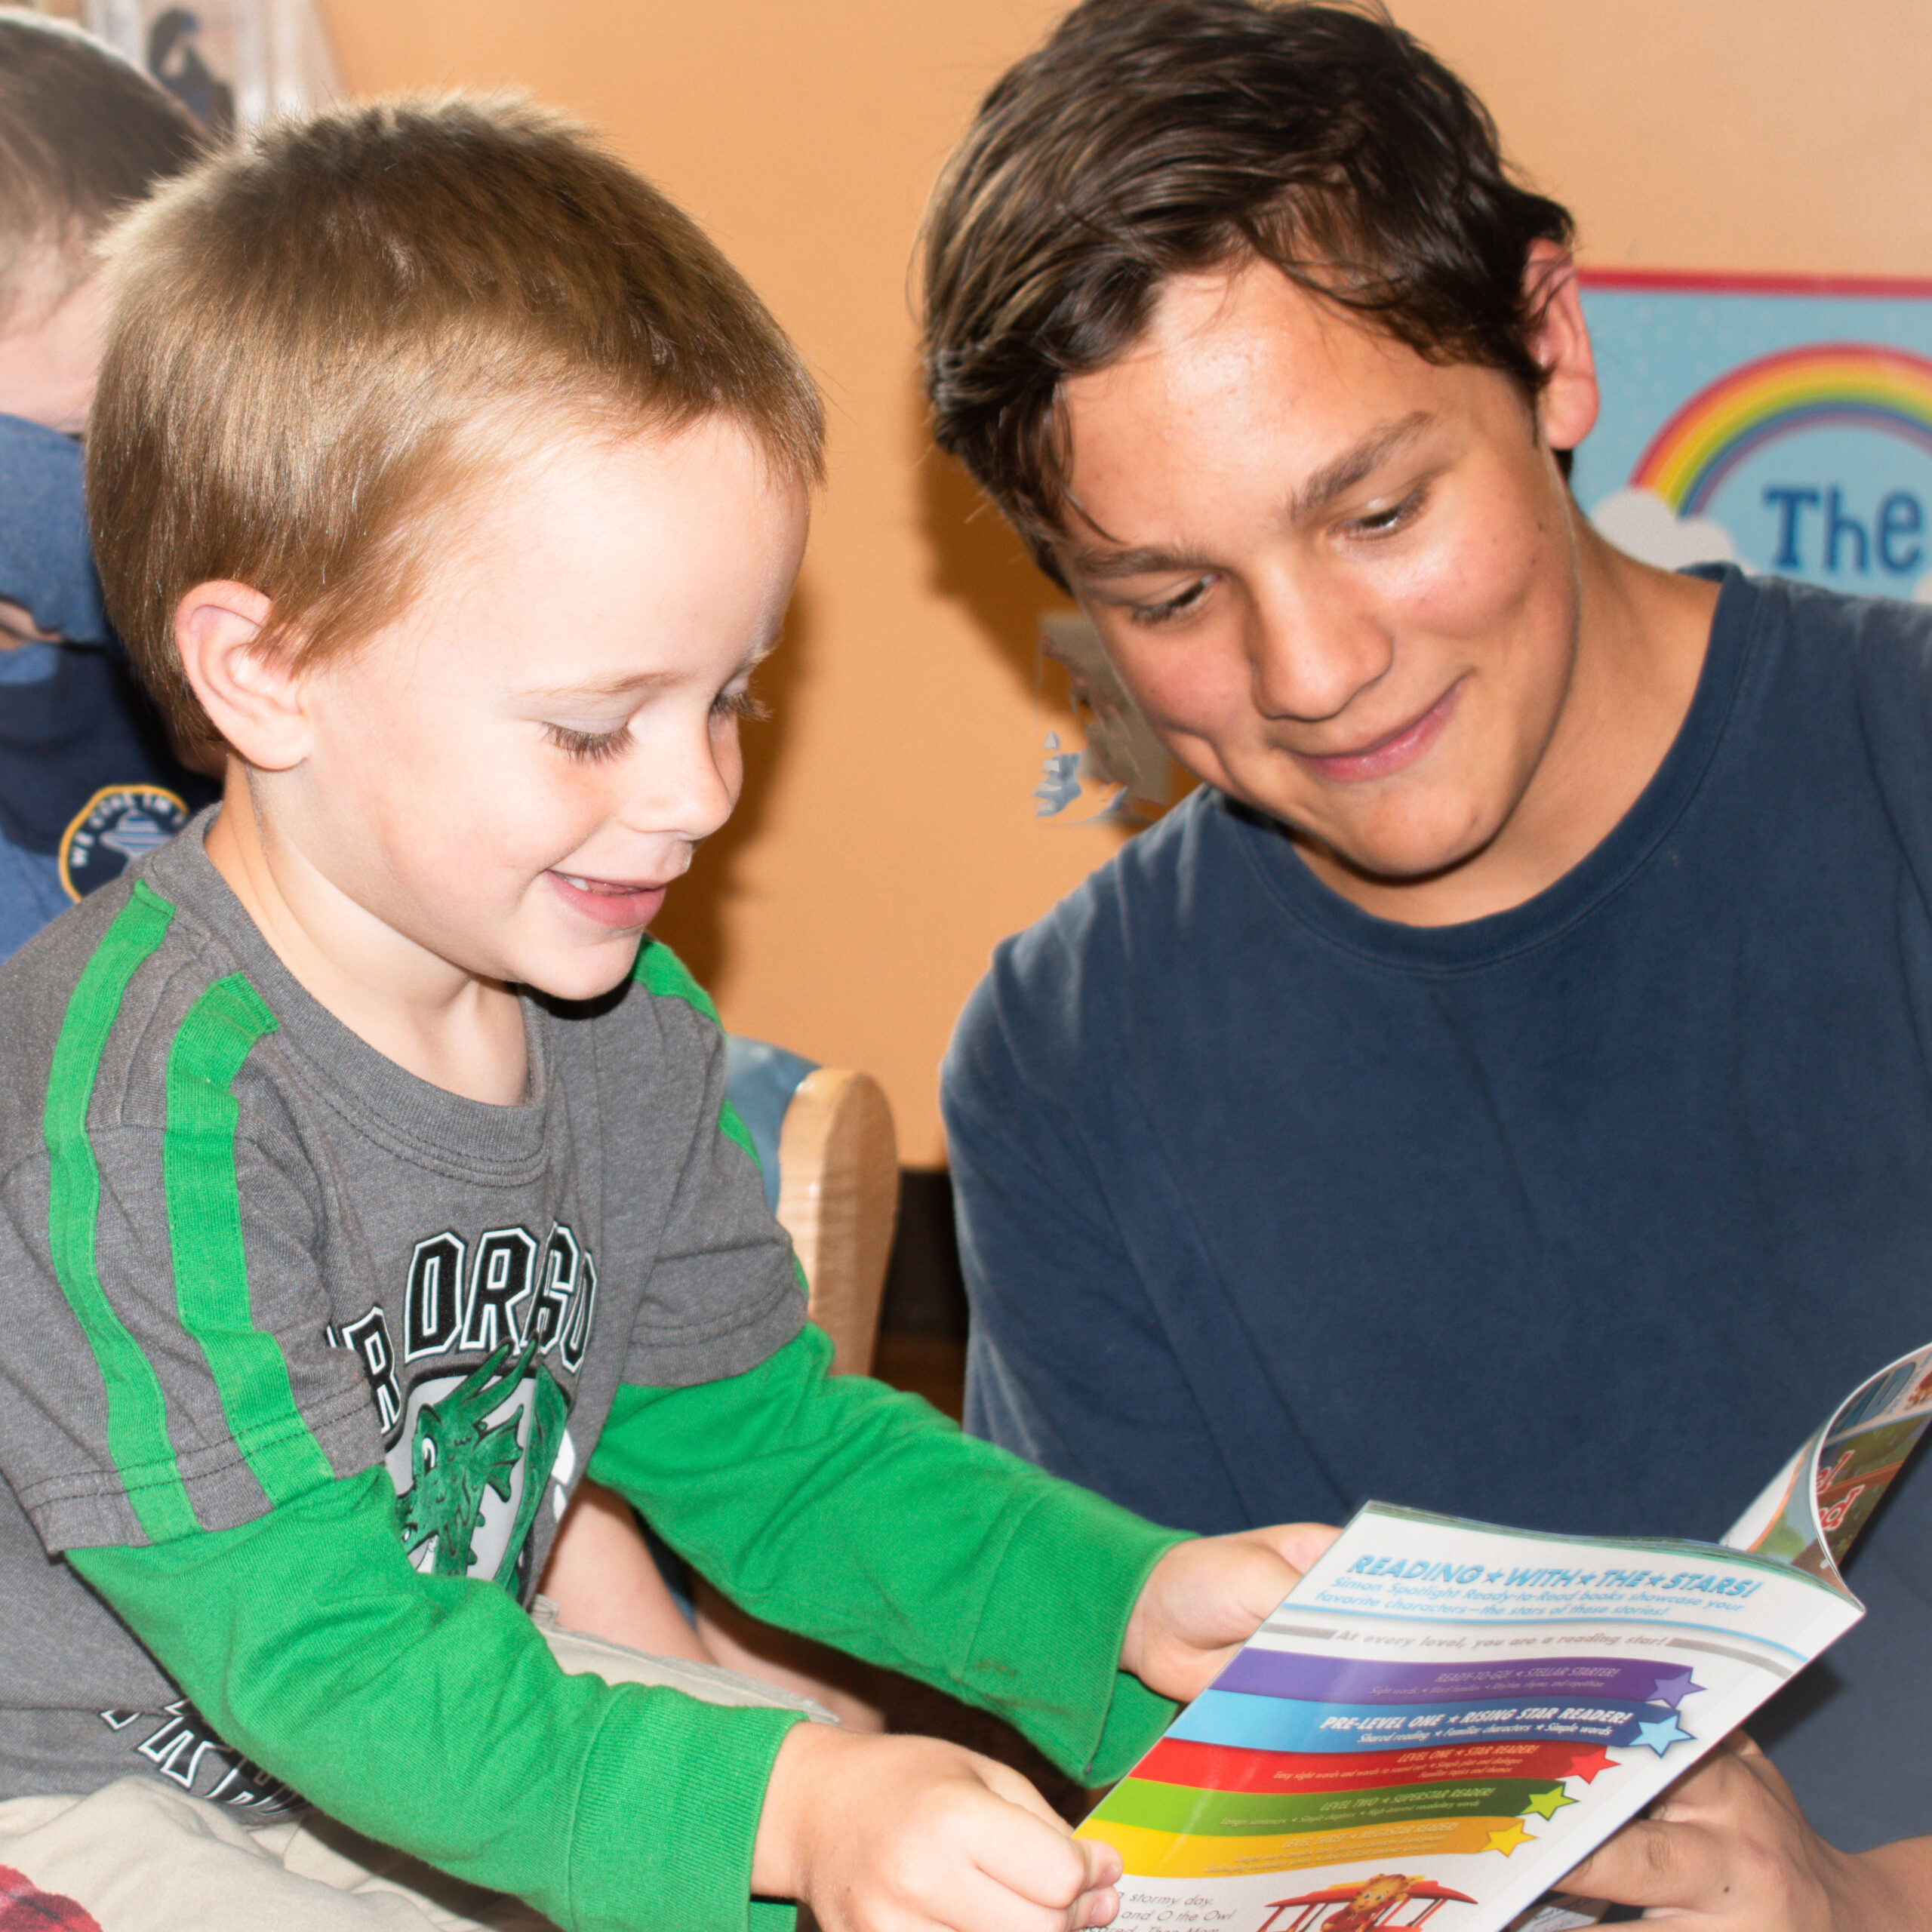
<point x="1332" y="479"/>
<point x="640" y="682"/>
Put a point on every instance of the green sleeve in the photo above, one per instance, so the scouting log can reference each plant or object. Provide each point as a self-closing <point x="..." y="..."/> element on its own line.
<point x="835" y="1506"/>
<point x="427" y="1713"/>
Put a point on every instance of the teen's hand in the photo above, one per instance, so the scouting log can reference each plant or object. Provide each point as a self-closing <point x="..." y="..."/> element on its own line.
<point x="908" y="1835"/>
<point x="1207" y="1598"/>
<point x="1727" y="1849"/>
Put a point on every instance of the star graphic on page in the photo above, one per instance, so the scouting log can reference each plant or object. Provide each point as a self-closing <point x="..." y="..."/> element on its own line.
<point x="1662" y="1735"/>
<point x="1673" y="1687"/>
<point x="1508" y="1839"/>
<point x="1584" y="1764"/>
<point x="1547" y="1803"/>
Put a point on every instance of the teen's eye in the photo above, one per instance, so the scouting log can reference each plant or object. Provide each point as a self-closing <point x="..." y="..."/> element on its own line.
<point x="1397" y="516"/>
<point x="740" y="704"/>
<point x="1169" y="608"/>
<point x="590" y="747"/>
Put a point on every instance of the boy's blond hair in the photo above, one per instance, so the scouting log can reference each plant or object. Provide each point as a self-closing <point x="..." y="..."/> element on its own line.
<point x="82" y="134"/>
<point x="324" y="340"/>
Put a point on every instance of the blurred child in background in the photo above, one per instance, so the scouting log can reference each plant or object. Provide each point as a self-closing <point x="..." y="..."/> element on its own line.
<point x="88" y="778"/>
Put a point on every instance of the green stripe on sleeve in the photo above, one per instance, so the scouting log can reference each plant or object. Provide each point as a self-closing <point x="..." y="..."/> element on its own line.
<point x="204" y="1231"/>
<point x="732" y="1124"/>
<point x="660" y="972"/>
<point x="658" y="969"/>
<point x="137" y="1410"/>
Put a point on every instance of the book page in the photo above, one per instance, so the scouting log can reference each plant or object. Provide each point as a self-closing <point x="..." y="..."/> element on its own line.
<point x="1814" y="1509"/>
<point x="1443" y="1719"/>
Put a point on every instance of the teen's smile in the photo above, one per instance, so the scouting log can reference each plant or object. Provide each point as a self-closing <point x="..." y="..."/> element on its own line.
<point x="1382" y="758"/>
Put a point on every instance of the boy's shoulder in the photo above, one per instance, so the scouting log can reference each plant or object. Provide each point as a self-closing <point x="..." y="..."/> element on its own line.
<point x="133" y="987"/>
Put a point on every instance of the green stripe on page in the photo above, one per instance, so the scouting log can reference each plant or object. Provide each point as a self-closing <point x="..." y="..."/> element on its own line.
<point x="204" y="1232"/>
<point x="136" y="1410"/>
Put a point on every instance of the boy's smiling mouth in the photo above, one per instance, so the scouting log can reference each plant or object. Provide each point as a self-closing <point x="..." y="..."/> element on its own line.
<point x="615" y="902"/>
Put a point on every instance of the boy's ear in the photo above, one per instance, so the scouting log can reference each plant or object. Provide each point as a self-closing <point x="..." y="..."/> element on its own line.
<point x="1567" y="407"/>
<point x="249" y="694"/>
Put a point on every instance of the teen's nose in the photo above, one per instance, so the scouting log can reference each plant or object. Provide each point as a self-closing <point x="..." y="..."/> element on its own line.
<point x="1310" y="652"/>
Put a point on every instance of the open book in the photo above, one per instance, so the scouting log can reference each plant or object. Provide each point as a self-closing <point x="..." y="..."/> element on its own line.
<point x="1444" y="1717"/>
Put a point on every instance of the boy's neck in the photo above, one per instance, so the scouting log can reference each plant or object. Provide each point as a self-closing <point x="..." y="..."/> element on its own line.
<point x="432" y="1017"/>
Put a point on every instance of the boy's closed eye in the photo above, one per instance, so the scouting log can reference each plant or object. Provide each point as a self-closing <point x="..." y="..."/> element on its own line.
<point x="594" y="746"/>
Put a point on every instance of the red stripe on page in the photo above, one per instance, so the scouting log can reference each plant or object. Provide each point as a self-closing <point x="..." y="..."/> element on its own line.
<point x="1228" y="1768"/>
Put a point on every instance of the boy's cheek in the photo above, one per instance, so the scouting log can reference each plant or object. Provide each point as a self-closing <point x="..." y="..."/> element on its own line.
<point x="47" y="367"/>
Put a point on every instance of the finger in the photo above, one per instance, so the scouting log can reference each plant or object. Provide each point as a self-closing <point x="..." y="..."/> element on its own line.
<point x="1648" y="1864"/>
<point x="977" y="1902"/>
<point x="1004" y="1782"/>
<point x="1040" y="1860"/>
<point x="1720" y="1779"/>
<point x="1101" y="1907"/>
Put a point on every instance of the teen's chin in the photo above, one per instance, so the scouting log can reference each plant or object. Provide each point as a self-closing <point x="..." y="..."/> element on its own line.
<point x="1423" y="846"/>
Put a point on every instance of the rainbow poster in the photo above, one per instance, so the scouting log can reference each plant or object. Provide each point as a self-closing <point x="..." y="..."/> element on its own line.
<point x="1784" y="422"/>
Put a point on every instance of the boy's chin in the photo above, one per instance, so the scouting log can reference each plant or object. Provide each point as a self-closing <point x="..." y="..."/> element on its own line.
<point x="587" y="975"/>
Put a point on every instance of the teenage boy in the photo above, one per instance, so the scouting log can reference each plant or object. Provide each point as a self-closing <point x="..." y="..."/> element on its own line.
<point x="1505" y="1086"/>
<point x="367" y="1178"/>
<point x="87" y="776"/>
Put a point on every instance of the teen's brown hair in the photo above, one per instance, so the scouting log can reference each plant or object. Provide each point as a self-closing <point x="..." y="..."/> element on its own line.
<point x="324" y="339"/>
<point x="1148" y="138"/>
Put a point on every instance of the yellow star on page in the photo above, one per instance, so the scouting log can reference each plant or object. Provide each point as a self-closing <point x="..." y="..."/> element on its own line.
<point x="1508" y="1839"/>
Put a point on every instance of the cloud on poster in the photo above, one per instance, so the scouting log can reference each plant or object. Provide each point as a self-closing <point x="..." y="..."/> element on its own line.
<point x="1643" y="523"/>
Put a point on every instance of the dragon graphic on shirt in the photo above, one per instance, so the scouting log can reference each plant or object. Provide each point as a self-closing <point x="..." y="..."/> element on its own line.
<point x="456" y="1455"/>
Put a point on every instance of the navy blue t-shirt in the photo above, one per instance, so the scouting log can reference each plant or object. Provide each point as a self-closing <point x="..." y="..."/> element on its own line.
<point x="1579" y="1217"/>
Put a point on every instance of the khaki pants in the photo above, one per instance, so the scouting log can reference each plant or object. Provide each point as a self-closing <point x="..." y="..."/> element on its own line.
<point x="140" y="1856"/>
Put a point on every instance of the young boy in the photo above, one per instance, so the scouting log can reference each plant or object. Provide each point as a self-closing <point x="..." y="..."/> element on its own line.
<point x="87" y="776"/>
<point x="1505" y="1084"/>
<point x="366" y="1177"/>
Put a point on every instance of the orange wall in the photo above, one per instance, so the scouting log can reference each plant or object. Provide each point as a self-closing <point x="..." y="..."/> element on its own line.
<point x="886" y="838"/>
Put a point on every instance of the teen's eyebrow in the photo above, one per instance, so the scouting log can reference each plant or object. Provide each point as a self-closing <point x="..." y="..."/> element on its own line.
<point x="1354" y="465"/>
<point x="1334" y="479"/>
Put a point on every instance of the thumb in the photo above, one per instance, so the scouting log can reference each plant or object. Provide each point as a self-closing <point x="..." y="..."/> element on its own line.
<point x="1104" y="1864"/>
<point x="1300" y="1545"/>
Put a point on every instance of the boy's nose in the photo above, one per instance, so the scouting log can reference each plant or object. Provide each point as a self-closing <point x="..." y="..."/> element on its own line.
<point x="691" y="790"/>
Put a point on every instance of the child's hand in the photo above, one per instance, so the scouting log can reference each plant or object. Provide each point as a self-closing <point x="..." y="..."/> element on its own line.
<point x="1206" y="1598"/>
<point x="908" y="1835"/>
<point x="1726" y="1849"/>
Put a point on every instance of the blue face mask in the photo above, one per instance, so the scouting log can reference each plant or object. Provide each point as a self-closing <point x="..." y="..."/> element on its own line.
<point x="86" y="774"/>
<point x="46" y="565"/>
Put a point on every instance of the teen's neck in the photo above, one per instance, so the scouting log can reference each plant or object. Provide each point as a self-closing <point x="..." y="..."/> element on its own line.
<point x="1641" y="638"/>
<point x="445" y="1026"/>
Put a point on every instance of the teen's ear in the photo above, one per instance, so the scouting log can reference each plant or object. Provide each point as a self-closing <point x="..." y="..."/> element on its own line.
<point x="249" y="694"/>
<point x="1567" y="407"/>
